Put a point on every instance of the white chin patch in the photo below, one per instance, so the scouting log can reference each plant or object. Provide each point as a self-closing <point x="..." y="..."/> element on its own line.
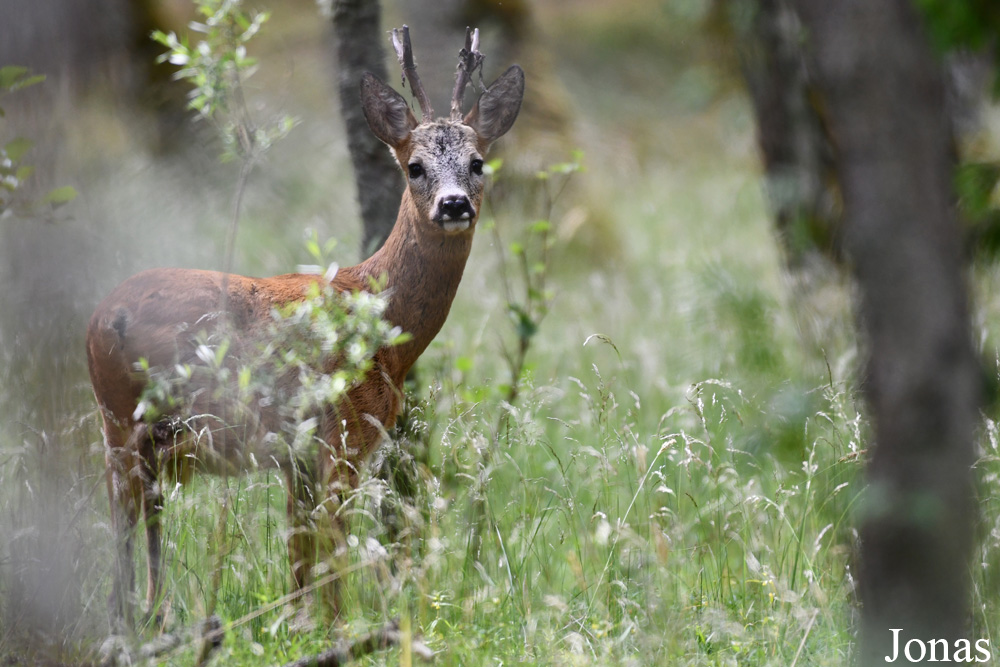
<point x="455" y="225"/>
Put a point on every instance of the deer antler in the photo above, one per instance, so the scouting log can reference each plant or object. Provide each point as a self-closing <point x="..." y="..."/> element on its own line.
<point x="469" y="59"/>
<point x="401" y="42"/>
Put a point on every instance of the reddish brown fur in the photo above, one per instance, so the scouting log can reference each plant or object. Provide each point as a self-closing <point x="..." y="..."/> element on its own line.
<point x="154" y="315"/>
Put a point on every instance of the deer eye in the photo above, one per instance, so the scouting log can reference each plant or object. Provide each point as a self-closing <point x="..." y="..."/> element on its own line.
<point x="416" y="169"/>
<point x="477" y="167"/>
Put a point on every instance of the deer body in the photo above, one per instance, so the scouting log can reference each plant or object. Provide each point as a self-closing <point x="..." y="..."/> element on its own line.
<point x="154" y="316"/>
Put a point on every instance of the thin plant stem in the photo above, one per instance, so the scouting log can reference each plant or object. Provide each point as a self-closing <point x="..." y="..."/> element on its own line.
<point x="246" y="167"/>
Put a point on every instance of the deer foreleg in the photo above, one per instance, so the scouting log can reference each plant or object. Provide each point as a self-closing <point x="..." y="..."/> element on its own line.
<point x="301" y="531"/>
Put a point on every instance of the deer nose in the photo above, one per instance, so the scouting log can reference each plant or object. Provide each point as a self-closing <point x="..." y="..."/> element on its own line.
<point x="455" y="207"/>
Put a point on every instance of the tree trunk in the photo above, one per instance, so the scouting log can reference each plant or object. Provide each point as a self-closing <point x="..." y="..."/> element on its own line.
<point x="884" y="94"/>
<point x="795" y="148"/>
<point x="360" y="43"/>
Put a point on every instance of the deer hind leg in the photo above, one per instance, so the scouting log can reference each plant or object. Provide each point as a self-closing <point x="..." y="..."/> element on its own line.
<point x="132" y="479"/>
<point x="150" y="441"/>
<point x="125" y="496"/>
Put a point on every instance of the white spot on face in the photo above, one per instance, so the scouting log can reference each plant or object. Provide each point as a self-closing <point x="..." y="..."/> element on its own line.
<point x="456" y="225"/>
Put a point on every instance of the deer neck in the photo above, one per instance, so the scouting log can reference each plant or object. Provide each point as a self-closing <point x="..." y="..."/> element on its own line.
<point x="422" y="269"/>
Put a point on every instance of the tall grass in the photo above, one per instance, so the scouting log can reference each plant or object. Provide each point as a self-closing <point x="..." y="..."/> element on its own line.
<point x="633" y="516"/>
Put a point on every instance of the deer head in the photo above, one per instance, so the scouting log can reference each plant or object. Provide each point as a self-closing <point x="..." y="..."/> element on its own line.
<point x="443" y="158"/>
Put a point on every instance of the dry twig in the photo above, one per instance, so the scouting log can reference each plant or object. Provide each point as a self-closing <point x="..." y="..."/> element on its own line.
<point x="386" y="636"/>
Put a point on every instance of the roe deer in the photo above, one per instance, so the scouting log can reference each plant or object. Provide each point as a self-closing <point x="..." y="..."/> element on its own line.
<point x="152" y="319"/>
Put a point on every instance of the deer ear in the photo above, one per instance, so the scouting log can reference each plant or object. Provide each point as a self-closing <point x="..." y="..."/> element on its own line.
<point x="497" y="108"/>
<point x="387" y="113"/>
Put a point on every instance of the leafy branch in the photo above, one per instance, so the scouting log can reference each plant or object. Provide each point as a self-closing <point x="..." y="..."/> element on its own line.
<point x="217" y="68"/>
<point x="527" y="294"/>
<point x="13" y="171"/>
<point x="524" y="276"/>
<point x="311" y="352"/>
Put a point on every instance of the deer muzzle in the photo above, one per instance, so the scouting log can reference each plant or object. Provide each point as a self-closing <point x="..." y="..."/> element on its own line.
<point x="454" y="212"/>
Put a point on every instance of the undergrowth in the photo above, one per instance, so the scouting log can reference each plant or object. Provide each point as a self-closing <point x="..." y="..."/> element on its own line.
<point x="619" y="534"/>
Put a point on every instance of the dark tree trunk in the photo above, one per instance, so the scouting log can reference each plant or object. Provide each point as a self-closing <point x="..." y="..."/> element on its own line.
<point x="360" y="42"/>
<point x="884" y="94"/>
<point x="795" y="148"/>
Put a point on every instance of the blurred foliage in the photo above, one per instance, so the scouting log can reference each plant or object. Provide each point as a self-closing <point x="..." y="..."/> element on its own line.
<point x="964" y="24"/>
<point x="976" y="184"/>
<point x="289" y="368"/>
<point x="217" y="67"/>
<point x="13" y="171"/>
<point x="532" y="257"/>
<point x="972" y="26"/>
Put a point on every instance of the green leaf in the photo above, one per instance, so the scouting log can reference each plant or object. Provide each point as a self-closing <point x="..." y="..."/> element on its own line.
<point x="10" y="74"/>
<point x="541" y="226"/>
<point x="14" y="77"/>
<point x="463" y="364"/>
<point x="17" y="147"/>
<point x="160" y="37"/>
<point x="313" y="247"/>
<point x="479" y="393"/>
<point x="986" y="235"/>
<point x="220" y="351"/>
<point x="61" y="196"/>
<point x="30" y="81"/>
<point x="958" y="23"/>
<point x="198" y="103"/>
<point x="564" y="168"/>
<point x="975" y="184"/>
<point x="404" y="337"/>
<point x="523" y="324"/>
<point x="244" y="378"/>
